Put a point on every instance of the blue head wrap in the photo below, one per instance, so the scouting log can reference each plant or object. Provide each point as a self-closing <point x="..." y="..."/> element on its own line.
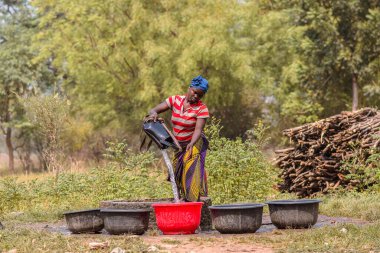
<point x="200" y="83"/>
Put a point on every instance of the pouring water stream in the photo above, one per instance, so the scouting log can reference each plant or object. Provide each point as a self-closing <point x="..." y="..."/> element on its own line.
<point x="171" y="174"/>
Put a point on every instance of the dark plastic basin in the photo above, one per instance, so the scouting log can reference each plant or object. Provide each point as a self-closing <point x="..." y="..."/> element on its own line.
<point x="147" y="204"/>
<point x="294" y="213"/>
<point x="121" y="221"/>
<point x="237" y="218"/>
<point x="84" y="221"/>
<point x="178" y="218"/>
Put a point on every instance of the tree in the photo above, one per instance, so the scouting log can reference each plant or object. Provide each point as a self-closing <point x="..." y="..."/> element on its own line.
<point x="122" y="57"/>
<point x="313" y="58"/>
<point x="18" y="75"/>
<point x="273" y="39"/>
<point x="339" y="52"/>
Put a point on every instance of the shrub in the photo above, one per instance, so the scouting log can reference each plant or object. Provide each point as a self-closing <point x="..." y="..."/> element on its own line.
<point x="363" y="168"/>
<point x="49" y="115"/>
<point x="119" y="154"/>
<point x="237" y="169"/>
<point x="47" y="198"/>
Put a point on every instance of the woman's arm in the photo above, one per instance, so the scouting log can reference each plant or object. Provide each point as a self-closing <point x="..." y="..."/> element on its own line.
<point x="153" y="113"/>
<point x="201" y="122"/>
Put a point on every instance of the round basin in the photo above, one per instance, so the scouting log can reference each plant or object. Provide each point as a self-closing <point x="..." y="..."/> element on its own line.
<point x="237" y="218"/>
<point x="84" y="221"/>
<point x="147" y="204"/>
<point x="119" y="221"/>
<point x="294" y="213"/>
<point x="178" y="218"/>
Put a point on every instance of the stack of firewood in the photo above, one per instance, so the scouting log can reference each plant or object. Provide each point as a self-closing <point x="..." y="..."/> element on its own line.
<point x="314" y="164"/>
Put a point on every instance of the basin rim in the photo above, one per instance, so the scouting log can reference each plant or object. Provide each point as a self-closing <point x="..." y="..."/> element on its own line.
<point x="236" y="206"/>
<point x="82" y="211"/>
<point x="293" y="201"/>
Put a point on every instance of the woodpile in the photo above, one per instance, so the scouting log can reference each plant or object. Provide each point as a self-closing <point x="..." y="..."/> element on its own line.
<point x="314" y="163"/>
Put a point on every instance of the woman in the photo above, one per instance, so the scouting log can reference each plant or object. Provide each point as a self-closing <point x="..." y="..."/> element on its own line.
<point x="189" y="116"/>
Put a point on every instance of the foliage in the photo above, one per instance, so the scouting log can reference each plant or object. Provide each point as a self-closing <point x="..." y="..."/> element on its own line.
<point x="363" y="168"/>
<point x="124" y="157"/>
<point x="49" y="115"/>
<point x="237" y="170"/>
<point x="133" y="54"/>
<point x="116" y="59"/>
<point x="47" y="198"/>
<point x="78" y="134"/>
<point x="258" y="134"/>
<point x="276" y="66"/>
<point x="306" y="70"/>
<point x="18" y="75"/>
<point x="339" y="46"/>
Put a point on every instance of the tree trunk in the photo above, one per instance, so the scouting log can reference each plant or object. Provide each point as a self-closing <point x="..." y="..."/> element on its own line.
<point x="355" y="95"/>
<point x="8" y="140"/>
<point x="8" y="130"/>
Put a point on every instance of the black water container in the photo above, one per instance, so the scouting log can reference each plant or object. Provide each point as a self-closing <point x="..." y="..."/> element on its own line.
<point x="294" y="213"/>
<point x="237" y="218"/>
<point x="121" y="221"/>
<point x="159" y="134"/>
<point x="84" y="221"/>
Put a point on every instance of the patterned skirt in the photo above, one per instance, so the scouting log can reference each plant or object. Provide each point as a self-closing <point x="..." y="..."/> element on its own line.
<point x="189" y="170"/>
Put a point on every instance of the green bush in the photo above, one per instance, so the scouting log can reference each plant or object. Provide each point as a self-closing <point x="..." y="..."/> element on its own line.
<point x="237" y="169"/>
<point x="119" y="154"/>
<point x="363" y="169"/>
<point x="49" y="116"/>
<point x="237" y="172"/>
<point x="48" y="198"/>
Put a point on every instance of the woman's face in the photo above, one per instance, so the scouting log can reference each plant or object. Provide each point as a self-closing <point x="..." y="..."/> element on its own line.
<point x="194" y="95"/>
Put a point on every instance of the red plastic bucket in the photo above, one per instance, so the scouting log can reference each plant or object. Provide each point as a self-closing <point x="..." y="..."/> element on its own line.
<point x="178" y="218"/>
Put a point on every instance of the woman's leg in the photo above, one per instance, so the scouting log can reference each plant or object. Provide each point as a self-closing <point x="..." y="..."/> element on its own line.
<point x="190" y="171"/>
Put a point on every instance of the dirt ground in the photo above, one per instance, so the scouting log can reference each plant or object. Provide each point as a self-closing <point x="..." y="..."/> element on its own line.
<point x="204" y="241"/>
<point x="202" y="244"/>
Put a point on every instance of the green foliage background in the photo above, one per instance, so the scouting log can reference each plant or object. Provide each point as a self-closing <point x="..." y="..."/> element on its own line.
<point x="237" y="172"/>
<point x="124" y="57"/>
<point x="284" y="62"/>
<point x="288" y="61"/>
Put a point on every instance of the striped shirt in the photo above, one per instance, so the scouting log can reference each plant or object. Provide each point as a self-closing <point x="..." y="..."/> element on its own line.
<point x="184" y="121"/>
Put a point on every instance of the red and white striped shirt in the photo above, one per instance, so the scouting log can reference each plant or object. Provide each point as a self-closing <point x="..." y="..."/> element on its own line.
<point x="184" y="121"/>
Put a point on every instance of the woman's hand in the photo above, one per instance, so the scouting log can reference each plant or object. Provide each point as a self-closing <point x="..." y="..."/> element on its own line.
<point x="153" y="113"/>
<point x="153" y="116"/>
<point x="189" y="148"/>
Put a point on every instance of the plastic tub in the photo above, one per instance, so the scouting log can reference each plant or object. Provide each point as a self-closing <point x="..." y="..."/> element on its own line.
<point x="237" y="218"/>
<point x="294" y="213"/>
<point x="178" y="218"/>
<point x="119" y="221"/>
<point x="84" y="221"/>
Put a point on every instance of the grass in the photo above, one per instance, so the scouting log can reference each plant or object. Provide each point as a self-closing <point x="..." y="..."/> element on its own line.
<point x="42" y="197"/>
<point x="360" y="205"/>
<point x="365" y="205"/>
<point x="45" y="198"/>
<point x="341" y="238"/>
<point x="171" y="241"/>
<point x="28" y="240"/>
<point x="338" y="238"/>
